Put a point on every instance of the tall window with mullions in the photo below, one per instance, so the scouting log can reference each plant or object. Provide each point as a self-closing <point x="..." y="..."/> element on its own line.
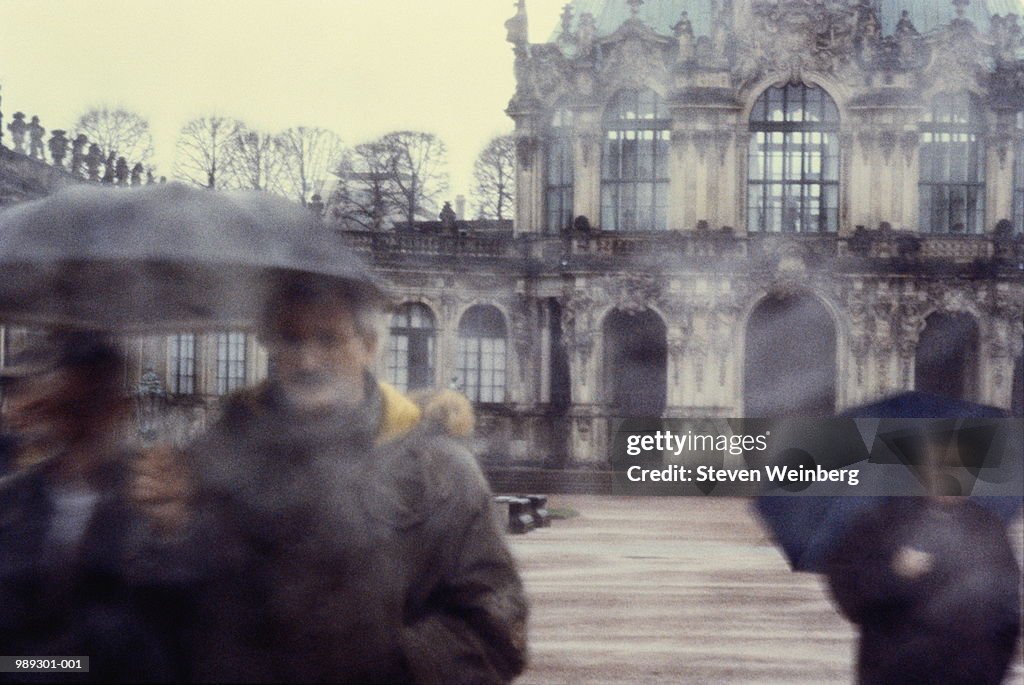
<point x="952" y="164"/>
<point x="181" y="353"/>
<point x="793" y="173"/>
<point x="481" y="363"/>
<point x="230" y="362"/>
<point x="634" y="163"/>
<point x="1018" y="178"/>
<point x="558" y="172"/>
<point x="410" y="354"/>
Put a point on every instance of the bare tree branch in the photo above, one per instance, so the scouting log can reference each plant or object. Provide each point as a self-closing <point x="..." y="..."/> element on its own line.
<point x="119" y="131"/>
<point x="204" y="150"/>
<point x="418" y="176"/>
<point x="362" y="196"/>
<point x="310" y="155"/>
<point x="255" y="161"/>
<point x="495" y="175"/>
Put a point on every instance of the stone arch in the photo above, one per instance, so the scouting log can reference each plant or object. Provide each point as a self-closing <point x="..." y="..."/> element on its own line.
<point x="947" y="355"/>
<point x="750" y="93"/>
<point x="790" y="365"/>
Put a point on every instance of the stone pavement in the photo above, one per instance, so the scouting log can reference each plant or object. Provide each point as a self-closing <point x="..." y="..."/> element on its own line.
<point x="653" y="590"/>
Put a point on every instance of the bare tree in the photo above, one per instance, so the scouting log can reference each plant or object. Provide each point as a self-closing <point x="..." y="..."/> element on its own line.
<point x="362" y="195"/>
<point x="119" y="131"/>
<point x="418" y="177"/>
<point x="495" y="175"/>
<point x="255" y="160"/>
<point x="309" y="157"/>
<point x="204" y="150"/>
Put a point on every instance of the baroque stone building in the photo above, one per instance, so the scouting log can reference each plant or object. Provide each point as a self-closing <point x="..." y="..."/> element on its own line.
<point x="733" y="208"/>
<point x="725" y="208"/>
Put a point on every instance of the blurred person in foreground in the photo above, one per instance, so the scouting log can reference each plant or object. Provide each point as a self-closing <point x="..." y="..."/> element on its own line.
<point x="343" y="535"/>
<point x="68" y="535"/>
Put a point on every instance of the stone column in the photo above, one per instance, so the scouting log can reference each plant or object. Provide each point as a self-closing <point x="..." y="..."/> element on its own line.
<point x="587" y="150"/>
<point x="999" y="157"/>
<point x="529" y="173"/>
<point x="680" y="202"/>
<point x="855" y="150"/>
<point x="1003" y="344"/>
<point x="911" y="174"/>
<point x="446" y="342"/>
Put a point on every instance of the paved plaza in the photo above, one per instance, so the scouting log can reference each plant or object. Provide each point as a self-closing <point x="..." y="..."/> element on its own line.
<point x="677" y="590"/>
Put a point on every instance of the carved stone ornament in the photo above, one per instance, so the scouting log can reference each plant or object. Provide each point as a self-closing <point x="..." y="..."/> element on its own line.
<point x="909" y="141"/>
<point x="551" y="73"/>
<point x="797" y="36"/>
<point x="633" y="293"/>
<point x="957" y="59"/>
<point x="578" y="323"/>
<point x="526" y="147"/>
<point x="1007" y="37"/>
<point x="639" y="56"/>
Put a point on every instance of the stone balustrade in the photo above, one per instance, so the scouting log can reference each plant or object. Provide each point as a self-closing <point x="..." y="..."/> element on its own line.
<point x="76" y="158"/>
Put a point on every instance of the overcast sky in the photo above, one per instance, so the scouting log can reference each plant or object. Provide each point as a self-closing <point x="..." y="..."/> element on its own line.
<point x="358" y="67"/>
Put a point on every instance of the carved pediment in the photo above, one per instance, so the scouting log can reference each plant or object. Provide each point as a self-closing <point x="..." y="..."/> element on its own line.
<point x="632" y="56"/>
<point x="797" y="36"/>
<point x="957" y="57"/>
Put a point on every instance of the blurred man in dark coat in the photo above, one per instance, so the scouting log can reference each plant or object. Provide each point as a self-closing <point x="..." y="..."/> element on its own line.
<point x="343" y="539"/>
<point x="933" y="585"/>
<point x="68" y="534"/>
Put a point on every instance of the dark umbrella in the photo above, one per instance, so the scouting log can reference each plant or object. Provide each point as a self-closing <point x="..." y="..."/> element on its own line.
<point x="160" y="258"/>
<point x="809" y="527"/>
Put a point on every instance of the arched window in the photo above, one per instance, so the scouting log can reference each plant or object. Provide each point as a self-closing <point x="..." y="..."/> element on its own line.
<point x="634" y="168"/>
<point x="410" y="355"/>
<point x="181" y="357"/>
<point x="1018" y="178"/>
<point x="793" y="173"/>
<point x="952" y="185"/>
<point x="230" y="362"/>
<point x="480" y="367"/>
<point x="558" y="172"/>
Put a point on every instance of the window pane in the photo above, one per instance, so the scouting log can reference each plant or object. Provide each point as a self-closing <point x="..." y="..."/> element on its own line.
<point x="634" y="168"/>
<point x="793" y="170"/>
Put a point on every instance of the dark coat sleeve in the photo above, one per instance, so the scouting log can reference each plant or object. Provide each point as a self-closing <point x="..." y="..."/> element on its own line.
<point x="472" y="626"/>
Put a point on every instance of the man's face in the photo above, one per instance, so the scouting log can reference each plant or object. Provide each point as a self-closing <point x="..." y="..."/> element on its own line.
<point x="319" y="356"/>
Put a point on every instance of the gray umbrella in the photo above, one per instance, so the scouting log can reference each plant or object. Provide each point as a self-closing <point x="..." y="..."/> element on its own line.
<point x="160" y="258"/>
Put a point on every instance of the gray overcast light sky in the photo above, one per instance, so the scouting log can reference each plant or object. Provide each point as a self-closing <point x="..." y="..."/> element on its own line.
<point x="358" y="67"/>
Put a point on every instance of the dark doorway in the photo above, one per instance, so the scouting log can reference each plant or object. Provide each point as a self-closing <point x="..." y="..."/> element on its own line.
<point x="561" y="394"/>
<point x="790" y="359"/>
<point x="635" y="359"/>
<point x="946" y="360"/>
<point x="560" y="397"/>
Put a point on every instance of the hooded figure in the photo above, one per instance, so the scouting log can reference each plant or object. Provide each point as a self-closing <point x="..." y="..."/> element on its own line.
<point x="341" y="536"/>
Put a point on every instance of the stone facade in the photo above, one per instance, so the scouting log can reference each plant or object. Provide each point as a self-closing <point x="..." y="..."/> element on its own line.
<point x="878" y="278"/>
